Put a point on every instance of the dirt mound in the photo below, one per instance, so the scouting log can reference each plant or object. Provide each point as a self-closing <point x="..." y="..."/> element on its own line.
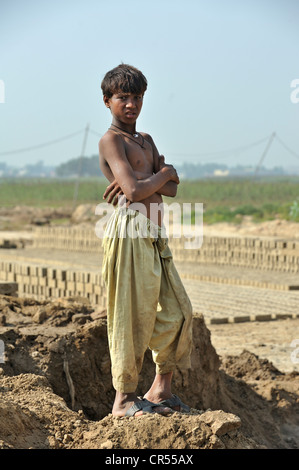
<point x="32" y="416"/>
<point x="84" y="213"/>
<point x="266" y="399"/>
<point x="249" y="367"/>
<point x="56" y="389"/>
<point x="24" y="217"/>
<point x="248" y="227"/>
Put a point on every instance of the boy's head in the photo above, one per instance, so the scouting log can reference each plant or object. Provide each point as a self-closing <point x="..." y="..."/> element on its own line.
<point x="124" y="78"/>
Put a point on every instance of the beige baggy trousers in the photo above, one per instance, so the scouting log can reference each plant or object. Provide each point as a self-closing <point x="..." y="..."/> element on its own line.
<point x="147" y="303"/>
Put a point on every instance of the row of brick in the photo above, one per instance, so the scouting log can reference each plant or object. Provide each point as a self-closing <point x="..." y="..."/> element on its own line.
<point x="267" y="261"/>
<point x="242" y="282"/>
<point x="66" y="235"/>
<point x="260" y="253"/>
<point x="247" y="242"/>
<point x="247" y="318"/>
<point x="43" y="283"/>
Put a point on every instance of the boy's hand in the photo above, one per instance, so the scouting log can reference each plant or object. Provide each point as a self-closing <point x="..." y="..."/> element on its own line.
<point x="164" y="167"/>
<point x="161" y="162"/>
<point x="113" y="191"/>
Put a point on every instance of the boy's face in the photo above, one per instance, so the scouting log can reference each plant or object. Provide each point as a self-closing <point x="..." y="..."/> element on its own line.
<point x="125" y="107"/>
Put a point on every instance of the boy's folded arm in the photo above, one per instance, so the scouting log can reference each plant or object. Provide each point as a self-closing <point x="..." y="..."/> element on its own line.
<point x="112" y="150"/>
<point x="169" y="188"/>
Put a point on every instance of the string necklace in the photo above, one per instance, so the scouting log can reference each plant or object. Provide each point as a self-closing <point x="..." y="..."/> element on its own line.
<point x="136" y="135"/>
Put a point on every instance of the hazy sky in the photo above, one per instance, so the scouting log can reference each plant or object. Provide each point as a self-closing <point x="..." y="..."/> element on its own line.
<point x="219" y="76"/>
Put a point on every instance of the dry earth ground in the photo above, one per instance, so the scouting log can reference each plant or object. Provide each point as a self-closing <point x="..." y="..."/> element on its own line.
<point x="56" y="390"/>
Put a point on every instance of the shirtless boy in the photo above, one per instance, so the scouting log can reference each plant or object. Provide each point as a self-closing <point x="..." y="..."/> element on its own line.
<point x="147" y="303"/>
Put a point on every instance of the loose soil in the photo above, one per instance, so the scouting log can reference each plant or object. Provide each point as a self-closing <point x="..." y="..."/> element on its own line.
<point x="56" y="390"/>
<point x="55" y="381"/>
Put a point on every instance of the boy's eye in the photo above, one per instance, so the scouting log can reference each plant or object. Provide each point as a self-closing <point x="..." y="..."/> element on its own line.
<point x="125" y="97"/>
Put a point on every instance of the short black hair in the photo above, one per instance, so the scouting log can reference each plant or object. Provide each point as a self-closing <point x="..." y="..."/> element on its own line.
<point x="123" y="78"/>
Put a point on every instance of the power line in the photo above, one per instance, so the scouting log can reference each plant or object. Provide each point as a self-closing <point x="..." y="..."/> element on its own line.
<point x="75" y="197"/>
<point x="264" y="153"/>
<point x="45" y="144"/>
<point x="234" y="150"/>
<point x="286" y="147"/>
<point x="95" y="133"/>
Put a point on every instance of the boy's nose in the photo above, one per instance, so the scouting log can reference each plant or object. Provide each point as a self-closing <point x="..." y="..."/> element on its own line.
<point x="130" y="103"/>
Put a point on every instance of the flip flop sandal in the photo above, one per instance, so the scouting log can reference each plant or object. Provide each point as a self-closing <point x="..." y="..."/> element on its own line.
<point x="175" y="401"/>
<point x="143" y="405"/>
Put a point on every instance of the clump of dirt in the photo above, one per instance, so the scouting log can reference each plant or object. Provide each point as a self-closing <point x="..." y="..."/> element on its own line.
<point x="56" y="388"/>
<point x="25" y="217"/>
<point x="84" y="213"/>
<point x="249" y="367"/>
<point x="266" y="399"/>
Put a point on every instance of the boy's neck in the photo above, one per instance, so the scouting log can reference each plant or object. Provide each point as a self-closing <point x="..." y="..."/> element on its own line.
<point x="131" y="128"/>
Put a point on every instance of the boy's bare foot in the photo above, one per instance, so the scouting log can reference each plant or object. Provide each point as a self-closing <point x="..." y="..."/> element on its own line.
<point x="161" y="390"/>
<point x="158" y="397"/>
<point x="124" y="401"/>
<point x="172" y="401"/>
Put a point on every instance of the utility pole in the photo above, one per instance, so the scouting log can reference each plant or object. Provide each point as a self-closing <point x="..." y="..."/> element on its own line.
<point x="264" y="153"/>
<point x="80" y="166"/>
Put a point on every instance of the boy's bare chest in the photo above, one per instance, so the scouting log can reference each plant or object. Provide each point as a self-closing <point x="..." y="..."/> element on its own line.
<point x="140" y="159"/>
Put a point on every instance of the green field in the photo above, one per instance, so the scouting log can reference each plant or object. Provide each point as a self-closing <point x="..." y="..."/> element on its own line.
<point x="224" y="200"/>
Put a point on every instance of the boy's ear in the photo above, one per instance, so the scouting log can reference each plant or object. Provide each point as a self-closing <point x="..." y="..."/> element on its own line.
<point x="106" y="101"/>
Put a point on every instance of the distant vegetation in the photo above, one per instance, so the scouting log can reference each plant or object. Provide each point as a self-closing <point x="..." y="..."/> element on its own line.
<point x="230" y="200"/>
<point x="89" y="167"/>
<point x="85" y="166"/>
<point x="224" y="199"/>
